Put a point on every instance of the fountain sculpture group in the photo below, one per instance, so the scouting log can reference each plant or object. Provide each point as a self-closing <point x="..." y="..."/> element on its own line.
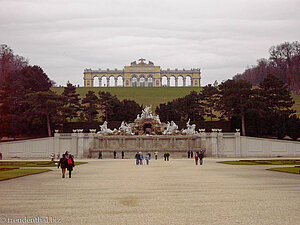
<point x="148" y="124"/>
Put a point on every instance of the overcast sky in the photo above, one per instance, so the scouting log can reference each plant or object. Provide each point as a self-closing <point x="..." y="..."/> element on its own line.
<point x="220" y="37"/>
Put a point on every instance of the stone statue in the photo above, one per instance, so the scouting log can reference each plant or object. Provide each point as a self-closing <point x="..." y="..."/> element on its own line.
<point x="156" y="118"/>
<point x="104" y="129"/>
<point x="147" y="113"/>
<point x="171" y="128"/>
<point x="125" y="128"/>
<point x="191" y="129"/>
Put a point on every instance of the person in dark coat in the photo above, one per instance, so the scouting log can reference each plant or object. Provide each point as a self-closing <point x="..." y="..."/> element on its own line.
<point x="189" y="154"/>
<point x="115" y="154"/>
<point x="201" y="156"/>
<point x="137" y="158"/>
<point x="122" y="154"/>
<point x="70" y="164"/>
<point x="192" y="154"/>
<point x="100" y="155"/>
<point x="165" y="156"/>
<point x="168" y="156"/>
<point x="63" y="164"/>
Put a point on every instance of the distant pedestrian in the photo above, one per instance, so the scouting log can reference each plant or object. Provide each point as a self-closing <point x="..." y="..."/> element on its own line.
<point x="63" y="164"/>
<point x="123" y="154"/>
<point x="149" y="155"/>
<point x="67" y="154"/>
<point x="100" y="155"/>
<point x="58" y="155"/>
<point x="155" y="155"/>
<point x="115" y="154"/>
<point x="0" y="155"/>
<point x="70" y="165"/>
<point x="168" y="156"/>
<point x="196" y="158"/>
<point x="165" y="156"/>
<point x="189" y="154"/>
<point x="192" y="154"/>
<point x="137" y="158"/>
<point x="141" y="158"/>
<point x="147" y="158"/>
<point x="52" y="157"/>
<point x="201" y="156"/>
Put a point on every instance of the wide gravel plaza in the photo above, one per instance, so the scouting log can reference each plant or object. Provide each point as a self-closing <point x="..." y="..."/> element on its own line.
<point x="177" y="192"/>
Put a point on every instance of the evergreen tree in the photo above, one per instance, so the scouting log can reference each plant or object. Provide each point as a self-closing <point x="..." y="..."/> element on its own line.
<point x="90" y="107"/>
<point x="44" y="109"/>
<point x="13" y="98"/>
<point x="71" y="102"/>
<point x="277" y="105"/>
<point x="210" y="96"/>
<point x="235" y="100"/>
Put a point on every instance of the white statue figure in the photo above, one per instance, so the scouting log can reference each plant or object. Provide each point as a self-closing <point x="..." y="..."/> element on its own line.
<point x="125" y="128"/>
<point x="147" y="113"/>
<point x="156" y="118"/>
<point x="171" y="128"/>
<point x="191" y="129"/>
<point x="104" y="129"/>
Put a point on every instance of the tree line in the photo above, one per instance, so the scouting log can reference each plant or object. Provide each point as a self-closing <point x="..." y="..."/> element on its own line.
<point x="28" y="106"/>
<point x="265" y="110"/>
<point x="283" y="62"/>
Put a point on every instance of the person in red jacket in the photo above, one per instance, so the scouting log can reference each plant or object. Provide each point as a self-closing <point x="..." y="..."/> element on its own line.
<point x="196" y="158"/>
<point x="70" y="164"/>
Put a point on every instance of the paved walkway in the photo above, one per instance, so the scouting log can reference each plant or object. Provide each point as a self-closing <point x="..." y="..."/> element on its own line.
<point x="175" y="192"/>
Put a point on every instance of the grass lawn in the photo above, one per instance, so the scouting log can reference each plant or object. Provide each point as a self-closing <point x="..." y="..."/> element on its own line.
<point x="8" y="164"/>
<point x="264" y="162"/>
<point x="151" y="95"/>
<point x="16" y="172"/>
<point x="295" y="169"/>
<point x="142" y="95"/>
<point x="11" y="169"/>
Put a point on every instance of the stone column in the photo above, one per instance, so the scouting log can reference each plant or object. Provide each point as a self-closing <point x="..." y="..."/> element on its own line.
<point x="176" y="81"/>
<point x="107" y="81"/>
<point x="56" y="144"/>
<point x="168" y="81"/>
<point x="213" y="144"/>
<point x="220" y="144"/>
<point x="99" y="82"/>
<point x="183" y="81"/>
<point x="116" y="81"/>
<point x="74" y="145"/>
<point x="80" y="145"/>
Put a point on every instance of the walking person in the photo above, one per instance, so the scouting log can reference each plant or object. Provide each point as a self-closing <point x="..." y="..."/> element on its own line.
<point x="137" y="158"/>
<point x="168" y="156"/>
<point x="165" y="156"/>
<point x="196" y="158"/>
<point x="189" y="154"/>
<point x="100" y="155"/>
<point x="155" y="155"/>
<point x="141" y="158"/>
<point x="201" y="156"/>
<point x="58" y="155"/>
<point x="63" y="165"/>
<point x="0" y="155"/>
<point x="192" y="154"/>
<point x="52" y="157"/>
<point x="147" y="158"/>
<point x="70" y="165"/>
<point x="115" y="154"/>
<point x="123" y="154"/>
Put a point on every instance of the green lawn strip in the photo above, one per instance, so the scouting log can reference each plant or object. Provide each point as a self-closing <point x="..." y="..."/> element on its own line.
<point x="12" y="164"/>
<point x="263" y="162"/>
<point x="14" y="173"/>
<point x="295" y="169"/>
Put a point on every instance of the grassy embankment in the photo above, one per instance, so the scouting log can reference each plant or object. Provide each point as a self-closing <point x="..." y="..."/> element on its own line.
<point x="14" y="169"/>
<point x="295" y="169"/>
<point x="151" y="95"/>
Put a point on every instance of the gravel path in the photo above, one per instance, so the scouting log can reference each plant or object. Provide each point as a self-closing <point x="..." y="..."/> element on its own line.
<point x="175" y="192"/>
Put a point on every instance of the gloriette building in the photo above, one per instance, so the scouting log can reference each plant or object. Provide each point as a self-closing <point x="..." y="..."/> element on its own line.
<point x="142" y="74"/>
